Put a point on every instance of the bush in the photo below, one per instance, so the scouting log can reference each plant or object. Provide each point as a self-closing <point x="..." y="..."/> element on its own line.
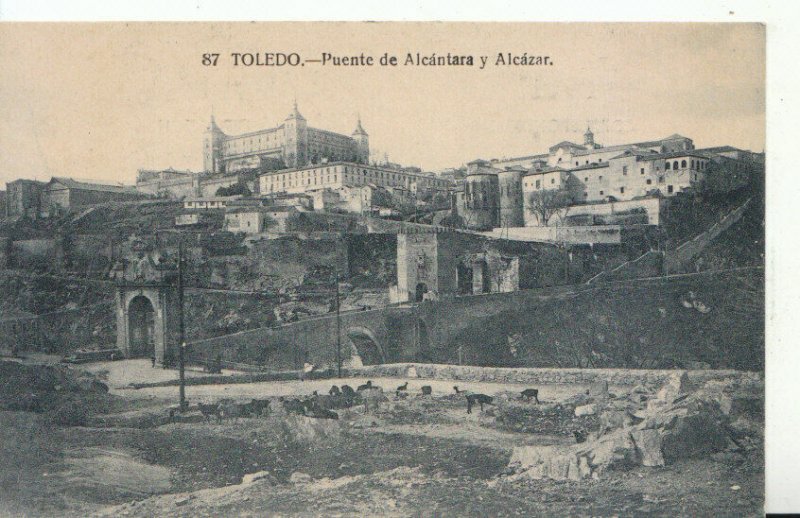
<point x="70" y="411"/>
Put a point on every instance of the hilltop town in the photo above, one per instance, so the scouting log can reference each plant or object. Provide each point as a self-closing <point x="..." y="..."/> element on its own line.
<point x="581" y="317"/>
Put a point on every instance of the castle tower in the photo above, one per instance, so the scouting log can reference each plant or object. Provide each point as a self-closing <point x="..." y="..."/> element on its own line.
<point x="588" y="138"/>
<point x="295" y="129"/>
<point x="481" y="193"/>
<point x="362" y="143"/>
<point x="510" y="186"/>
<point x="212" y="148"/>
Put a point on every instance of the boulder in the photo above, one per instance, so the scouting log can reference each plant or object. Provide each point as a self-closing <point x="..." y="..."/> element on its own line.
<point x="551" y="462"/>
<point x="307" y="430"/>
<point x="692" y="435"/>
<point x="598" y="390"/>
<point x="611" y="451"/>
<point x="676" y="385"/>
<point x="614" y="419"/>
<point x="648" y="447"/>
<point x="590" y="409"/>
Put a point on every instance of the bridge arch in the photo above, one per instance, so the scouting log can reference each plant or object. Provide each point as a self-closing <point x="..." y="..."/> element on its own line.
<point x="364" y="343"/>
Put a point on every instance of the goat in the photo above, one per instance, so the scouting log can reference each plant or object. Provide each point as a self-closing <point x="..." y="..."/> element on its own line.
<point x="210" y="410"/>
<point x="293" y="406"/>
<point x="427" y="390"/>
<point x="402" y="387"/>
<point x="481" y="399"/>
<point x="372" y="395"/>
<point x="529" y="393"/>
<point x="366" y="386"/>
<point x="231" y="409"/>
<point x="257" y="407"/>
<point x="330" y="402"/>
<point x="334" y="391"/>
<point x="455" y="387"/>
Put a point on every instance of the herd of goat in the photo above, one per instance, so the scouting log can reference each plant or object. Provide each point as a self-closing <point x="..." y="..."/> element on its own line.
<point x="324" y="406"/>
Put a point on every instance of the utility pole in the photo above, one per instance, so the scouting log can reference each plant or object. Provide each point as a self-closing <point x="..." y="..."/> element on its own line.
<point x="338" y="333"/>
<point x="181" y="330"/>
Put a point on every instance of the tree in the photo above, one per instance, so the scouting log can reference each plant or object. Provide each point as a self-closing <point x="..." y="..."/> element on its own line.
<point x="547" y="203"/>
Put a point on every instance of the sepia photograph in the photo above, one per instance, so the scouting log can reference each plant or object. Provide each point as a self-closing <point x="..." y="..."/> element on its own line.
<point x="382" y="269"/>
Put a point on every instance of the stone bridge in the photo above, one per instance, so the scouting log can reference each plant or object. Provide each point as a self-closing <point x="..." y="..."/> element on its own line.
<point x="414" y="332"/>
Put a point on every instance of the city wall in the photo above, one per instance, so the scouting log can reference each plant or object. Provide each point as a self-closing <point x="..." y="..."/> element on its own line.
<point x="596" y="234"/>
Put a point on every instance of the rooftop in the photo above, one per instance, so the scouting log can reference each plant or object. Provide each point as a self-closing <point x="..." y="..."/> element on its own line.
<point x="92" y="185"/>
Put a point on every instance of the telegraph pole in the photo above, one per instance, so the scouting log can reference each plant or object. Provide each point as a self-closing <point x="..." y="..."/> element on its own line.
<point x="338" y="333"/>
<point x="181" y="330"/>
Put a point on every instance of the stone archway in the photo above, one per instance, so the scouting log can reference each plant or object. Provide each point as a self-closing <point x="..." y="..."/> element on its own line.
<point x="146" y="321"/>
<point x="141" y="328"/>
<point x="366" y="345"/>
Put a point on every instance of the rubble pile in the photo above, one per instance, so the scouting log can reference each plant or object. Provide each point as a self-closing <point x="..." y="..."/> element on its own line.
<point x="652" y="429"/>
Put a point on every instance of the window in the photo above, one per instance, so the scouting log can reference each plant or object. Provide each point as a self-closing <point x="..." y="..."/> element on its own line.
<point x="649" y="181"/>
<point x="552" y="180"/>
<point x="683" y="164"/>
<point x="576" y="162"/>
<point x="675" y="164"/>
<point x="669" y="188"/>
<point x="666" y="166"/>
<point x="641" y="171"/>
<point x="599" y="178"/>
<point x="625" y="170"/>
<point x="601" y="193"/>
<point x="538" y="183"/>
<point x="660" y="179"/>
<point x="586" y="179"/>
<point x="622" y="190"/>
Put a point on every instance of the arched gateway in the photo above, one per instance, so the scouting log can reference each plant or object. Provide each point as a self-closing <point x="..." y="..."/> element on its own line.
<point x="147" y="308"/>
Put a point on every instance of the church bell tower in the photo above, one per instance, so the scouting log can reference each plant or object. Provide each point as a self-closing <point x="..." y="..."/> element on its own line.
<point x="362" y="143"/>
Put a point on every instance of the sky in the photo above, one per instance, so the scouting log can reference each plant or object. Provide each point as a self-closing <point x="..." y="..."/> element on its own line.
<point x="103" y="100"/>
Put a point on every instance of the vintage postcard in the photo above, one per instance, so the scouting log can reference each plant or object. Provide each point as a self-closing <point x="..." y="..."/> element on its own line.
<point x="382" y="269"/>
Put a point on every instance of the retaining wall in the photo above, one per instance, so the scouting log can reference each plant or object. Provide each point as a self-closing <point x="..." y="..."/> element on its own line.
<point x="545" y="376"/>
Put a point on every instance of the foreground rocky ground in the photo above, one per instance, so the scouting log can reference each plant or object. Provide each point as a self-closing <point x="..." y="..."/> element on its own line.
<point x="422" y="455"/>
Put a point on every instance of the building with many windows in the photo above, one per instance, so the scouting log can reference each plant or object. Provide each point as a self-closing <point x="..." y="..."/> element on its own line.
<point x="293" y="143"/>
<point x="337" y="175"/>
<point x="588" y="174"/>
